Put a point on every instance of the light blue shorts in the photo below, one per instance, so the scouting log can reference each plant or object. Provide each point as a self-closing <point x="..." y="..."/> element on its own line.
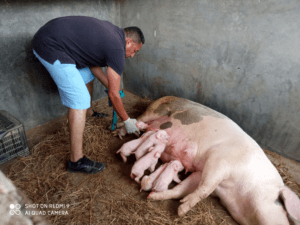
<point x="71" y="83"/>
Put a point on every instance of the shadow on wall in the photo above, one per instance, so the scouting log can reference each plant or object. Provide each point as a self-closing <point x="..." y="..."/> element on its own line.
<point x="37" y="73"/>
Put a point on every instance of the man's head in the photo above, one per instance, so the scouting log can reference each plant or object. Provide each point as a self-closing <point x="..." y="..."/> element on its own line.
<point x="134" y="40"/>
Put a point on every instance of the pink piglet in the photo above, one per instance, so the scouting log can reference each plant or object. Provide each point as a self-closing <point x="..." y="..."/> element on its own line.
<point x="167" y="176"/>
<point x="148" y="161"/>
<point x="160" y="137"/>
<point x="129" y="147"/>
<point x="139" y="124"/>
<point x="147" y="181"/>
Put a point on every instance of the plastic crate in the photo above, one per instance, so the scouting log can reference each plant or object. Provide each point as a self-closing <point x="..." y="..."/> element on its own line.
<point x="12" y="138"/>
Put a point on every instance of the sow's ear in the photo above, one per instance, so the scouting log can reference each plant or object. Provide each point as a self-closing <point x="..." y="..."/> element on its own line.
<point x="292" y="205"/>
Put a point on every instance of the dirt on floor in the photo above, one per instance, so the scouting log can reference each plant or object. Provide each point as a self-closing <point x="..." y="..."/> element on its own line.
<point x="111" y="196"/>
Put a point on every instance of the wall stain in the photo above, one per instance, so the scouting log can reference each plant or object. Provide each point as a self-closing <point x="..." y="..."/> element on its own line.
<point x="199" y="88"/>
<point x="159" y="83"/>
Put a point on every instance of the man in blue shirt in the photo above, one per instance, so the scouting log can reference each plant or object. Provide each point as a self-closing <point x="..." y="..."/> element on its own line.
<point x="73" y="49"/>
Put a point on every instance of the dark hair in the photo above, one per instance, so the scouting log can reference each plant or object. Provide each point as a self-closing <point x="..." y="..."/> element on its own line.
<point x="135" y="34"/>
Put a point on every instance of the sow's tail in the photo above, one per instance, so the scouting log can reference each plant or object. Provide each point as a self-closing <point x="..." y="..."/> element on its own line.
<point x="292" y="205"/>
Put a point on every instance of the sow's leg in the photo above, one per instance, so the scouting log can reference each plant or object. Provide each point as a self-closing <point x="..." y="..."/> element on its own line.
<point x="186" y="187"/>
<point x="213" y="173"/>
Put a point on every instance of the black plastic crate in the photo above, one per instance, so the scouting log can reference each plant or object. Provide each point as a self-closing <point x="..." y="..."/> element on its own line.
<point x="12" y="138"/>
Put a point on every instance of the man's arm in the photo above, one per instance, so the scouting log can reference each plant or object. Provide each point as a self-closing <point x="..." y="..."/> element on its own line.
<point x="114" y="81"/>
<point x="99" y="74"/>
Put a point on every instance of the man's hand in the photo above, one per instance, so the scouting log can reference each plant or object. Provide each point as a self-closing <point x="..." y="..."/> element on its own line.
<point x="131" y="127"/>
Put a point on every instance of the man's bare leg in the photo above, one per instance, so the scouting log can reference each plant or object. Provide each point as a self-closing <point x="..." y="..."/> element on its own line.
<point x="90" y="111"/>
<point x="78" y="162"/>
<point x="76" y="125"/>
<point x="90" y="87"/>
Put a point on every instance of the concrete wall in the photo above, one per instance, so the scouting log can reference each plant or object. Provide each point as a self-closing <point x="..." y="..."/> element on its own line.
<point x="26" y="89"/>
<point x="241" y="58"/>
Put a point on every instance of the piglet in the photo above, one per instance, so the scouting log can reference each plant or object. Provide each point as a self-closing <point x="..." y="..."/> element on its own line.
<point x="159" y="138"/>
<point x="147" y="181"/>
<point x="122" y="131"/>
<point x="148" y="161"/>
<point x="167" y="176"/>
<point x="129" y="147"/>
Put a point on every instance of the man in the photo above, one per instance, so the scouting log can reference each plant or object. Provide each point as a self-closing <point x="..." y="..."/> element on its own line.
<point x="73" y="49"/>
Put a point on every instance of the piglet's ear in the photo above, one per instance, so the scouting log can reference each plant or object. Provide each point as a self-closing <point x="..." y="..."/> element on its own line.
<point x="158" y="136"/>
<point x="176" y="167"/>
<point x="150" y="149"/>
<point x="157" y="155"/>
<point x="186" y="151"/>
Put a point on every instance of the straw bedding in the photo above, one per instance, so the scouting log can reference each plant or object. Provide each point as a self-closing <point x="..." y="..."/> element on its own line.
<point x="109" y="197"/>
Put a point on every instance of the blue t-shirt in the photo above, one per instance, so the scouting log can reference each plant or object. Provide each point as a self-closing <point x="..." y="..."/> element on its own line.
<point x="80" y="40"/>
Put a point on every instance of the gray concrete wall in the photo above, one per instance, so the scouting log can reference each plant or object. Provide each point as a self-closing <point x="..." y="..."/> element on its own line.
<point x="241" y="58"/>
<point x="26" y="89"/>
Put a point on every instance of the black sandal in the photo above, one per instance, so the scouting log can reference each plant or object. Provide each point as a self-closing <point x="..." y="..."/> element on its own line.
<point x="99" y="115"/>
